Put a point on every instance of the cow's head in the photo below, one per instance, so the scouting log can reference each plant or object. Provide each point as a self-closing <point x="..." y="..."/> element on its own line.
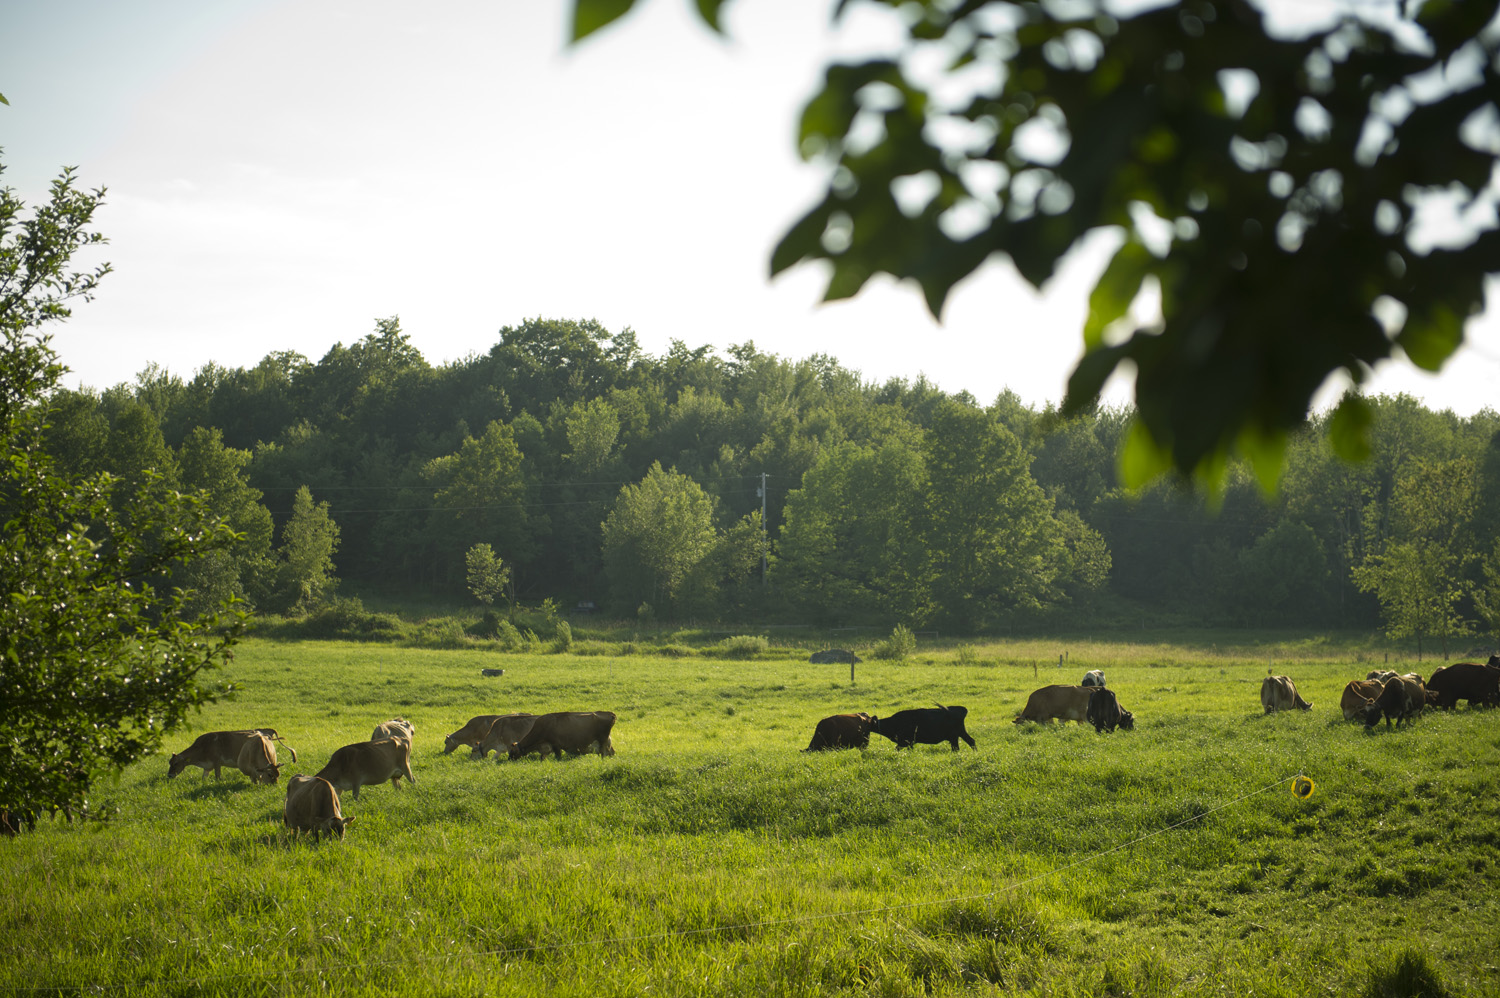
<point x="1127" y="719"/>
<point x="335" y="826"/>
<point x="1373" y="712"/>
<point x="176" y="764"/>
<point x="267" y="774"/>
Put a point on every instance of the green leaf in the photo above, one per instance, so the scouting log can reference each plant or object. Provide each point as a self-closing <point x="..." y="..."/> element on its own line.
<point x="1430" y="339"/>
<point x="1265" y="451"/>
<point x="4" y="101"/>
<point x="1116" y="289"/>
<point x="1142" y="459"/>
<point x="591" y="15"/>
<point x="1349" y="428"/>
<point x="709" y="11"/>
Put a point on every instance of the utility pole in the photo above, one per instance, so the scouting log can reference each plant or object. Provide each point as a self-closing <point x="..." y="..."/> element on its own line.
<point x="762" y="491"/>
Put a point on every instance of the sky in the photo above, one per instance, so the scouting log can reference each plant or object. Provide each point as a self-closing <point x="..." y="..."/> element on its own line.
<point x="282" y="174"/>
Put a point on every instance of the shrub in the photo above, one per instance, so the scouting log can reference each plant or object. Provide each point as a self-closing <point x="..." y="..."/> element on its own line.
<point x="441" y="632"/>
<point x="674" y="651"/>
<point x="487" y="626"/>
<point x="345" y="617"/>
<point x="743" y="646"/>
<point x="510" y="639"/>
<point x="898" y="647"/>
<point x="966" y="655"/>
<point x="562" y="638"/>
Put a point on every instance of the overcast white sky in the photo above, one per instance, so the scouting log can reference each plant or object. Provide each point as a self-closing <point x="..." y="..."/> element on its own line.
<point x="281" y="174"/>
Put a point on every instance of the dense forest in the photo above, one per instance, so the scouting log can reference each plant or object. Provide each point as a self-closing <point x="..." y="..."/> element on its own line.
<point x="568" y="464"/>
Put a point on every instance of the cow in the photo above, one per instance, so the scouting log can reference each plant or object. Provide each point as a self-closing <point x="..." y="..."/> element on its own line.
<point x="1104" y="711"/>
<point x="834" y="656"/>
<point x="1280" y="693"/>
<point x="1062" y="703"/>
<point x="504" y="730"/>
<point x="312" y="805"/>
<point x="398" y="727"/>
<point x="1465" y="681"/>
<point x="1401" y="697"/>
<point x="842" y="731"/>
<point x="257" y="760"/>
<point x="471" y="734"/>
<point x="1093" y="678"/>
<point x="926" y="726"/>
<point x="572" y="731"/>
<point x="368" y="763"/>
<point x="1358" y="695"/>
<point x="1380" y="675"/>
<point x="213" y="749"/>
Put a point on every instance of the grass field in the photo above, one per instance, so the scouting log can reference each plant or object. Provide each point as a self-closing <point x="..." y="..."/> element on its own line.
<point x="711" y="857"/>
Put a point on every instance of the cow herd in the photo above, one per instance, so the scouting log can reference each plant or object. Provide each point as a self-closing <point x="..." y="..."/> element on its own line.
<point x="312" y="802"/>
<point x="1090" y="701"/>
<point x="1383" y="694"/>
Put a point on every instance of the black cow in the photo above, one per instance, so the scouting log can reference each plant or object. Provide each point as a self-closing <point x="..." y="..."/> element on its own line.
<point x="925" y="725"/>
<point x="835" y="656"/>
<point x="1105" y="712"/>
<point x="1466" y="681"/>
<point x="842" y="731"/>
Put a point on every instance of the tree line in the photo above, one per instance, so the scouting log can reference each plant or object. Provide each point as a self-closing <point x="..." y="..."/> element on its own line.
<point x="747" y="486"/>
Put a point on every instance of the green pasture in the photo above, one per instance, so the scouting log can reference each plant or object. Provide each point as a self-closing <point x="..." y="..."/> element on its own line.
<point x="710" y="856"/>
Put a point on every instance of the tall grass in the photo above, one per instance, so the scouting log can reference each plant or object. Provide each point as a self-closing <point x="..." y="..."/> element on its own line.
<point x="711" y="857"/>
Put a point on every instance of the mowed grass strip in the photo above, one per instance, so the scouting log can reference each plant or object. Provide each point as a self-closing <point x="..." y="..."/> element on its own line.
<point x="711" y="856"/>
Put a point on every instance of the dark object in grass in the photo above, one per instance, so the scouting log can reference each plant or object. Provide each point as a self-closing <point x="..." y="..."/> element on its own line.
<point x="492" y="672"/>
<point x="832" y="656"/>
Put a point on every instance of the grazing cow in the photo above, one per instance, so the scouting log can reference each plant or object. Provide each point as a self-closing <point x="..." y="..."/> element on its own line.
<point x="571" y="731"/>
<point x="1062" y="703"/>
<point x="398" y="727"/>
<point x="368" y="763"/>
<point x="1380" y="675"/>
<point x="213" y="749"/>
<point x="925" y="725"/>
<point x="1104" y="711"/>
<point x="1358" y="695"/>
<point x="504" y="730"/>
<point x="471" y="734"/>
<point x="842" y="731"/>
<point x="1092" y="678"/>
<point x="257" y="760"/>
<point x="833" y="656"/>
<point x="1465" y="681"/>
<point x="312" y="805"/>
<point x="1402" y="697"/>
<point x="1280" y="693"/>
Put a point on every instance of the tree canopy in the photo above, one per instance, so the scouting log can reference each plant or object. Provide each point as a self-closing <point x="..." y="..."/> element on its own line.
<point x="100" y="655"/>
<point x="1271" y="190"/>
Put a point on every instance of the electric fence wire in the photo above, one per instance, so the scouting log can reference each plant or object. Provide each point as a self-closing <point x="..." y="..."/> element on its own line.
<point x="655" y="937"/>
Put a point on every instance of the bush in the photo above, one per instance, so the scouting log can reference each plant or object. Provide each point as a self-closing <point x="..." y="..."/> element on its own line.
<point x="562" y="638"/>
<point x="510" y="639"/>
<point x="898" y="647"/>
<point x="441" y="632"/>
<point x="345" y="617"/>
<point x="487" y="626"/>
<point x="743" y="646"/>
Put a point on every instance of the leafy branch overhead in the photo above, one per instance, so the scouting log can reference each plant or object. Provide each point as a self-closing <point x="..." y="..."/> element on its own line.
<point x="1272" y="189"/>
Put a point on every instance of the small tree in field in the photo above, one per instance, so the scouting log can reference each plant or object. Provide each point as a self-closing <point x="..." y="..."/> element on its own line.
<point x="308" y="543"/>
<point x="488" y="575"/>
<point x="100" y="658"/>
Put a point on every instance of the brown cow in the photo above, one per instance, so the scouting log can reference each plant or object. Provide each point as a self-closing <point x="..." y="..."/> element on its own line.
<point x="257" y="760"/>
<point x="506" y="729"/>
<point x="312" y="805"/>
<point x="471" y="734"/>
<point x="1280" y="693"/>
<point x="213" y="749"/>
<point x="571" y="731"/>
<point x="1358" y="695"/>
<point x="398" y="727"/>
<point x="1063" y="703"/>
<point x="842" y="731"/>
<point x="1403" y="698"/>
<point x="1465" y="681"/>
<point x="368" y="763"/>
